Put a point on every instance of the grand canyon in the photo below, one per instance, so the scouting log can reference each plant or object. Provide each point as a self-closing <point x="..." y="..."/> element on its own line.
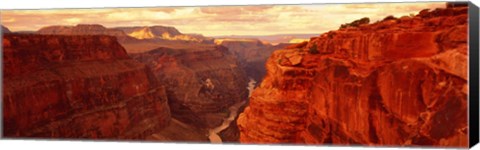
<point x="381" y="81"/>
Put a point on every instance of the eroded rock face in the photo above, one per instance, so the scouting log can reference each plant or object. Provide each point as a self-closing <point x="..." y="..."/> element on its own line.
<point x="163" y="33"/>
<point x="134" y="39"/>
<point x="86" y="29"/>
<point x="155" y="30"/>
<point x="394" y="82"/>
<point x="252" y="54"/>
<point x="78" y="87"/>
<point x="201" y="83"/>
<point x="5" y="30"/>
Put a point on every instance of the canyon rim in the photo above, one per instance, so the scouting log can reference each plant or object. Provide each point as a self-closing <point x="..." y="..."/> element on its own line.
<point x="266" y="74"/>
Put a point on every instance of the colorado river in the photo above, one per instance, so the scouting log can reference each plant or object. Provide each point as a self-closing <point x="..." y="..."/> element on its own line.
<point x="213" y="133"/>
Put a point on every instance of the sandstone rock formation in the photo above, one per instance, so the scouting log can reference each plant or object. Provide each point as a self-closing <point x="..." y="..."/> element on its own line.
<point x="393" y="82"/>
<point x="201" y="83"/>
<point x="5" y="29"/>
<point x="202" y="80"/>
<point x="252" y="54"/>
<point x="134" y="39"/>
<point x="163" y="33"/>
<point x="85" y="29"/>
<point x="232" y="133"/>
<point x="272" y="39"/>
<point x="296" y="41"/>
<point x="78" y="87"/>
<point x="145" y="32"/>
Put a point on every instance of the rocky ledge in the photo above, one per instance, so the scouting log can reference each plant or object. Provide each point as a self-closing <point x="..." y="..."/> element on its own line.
<point x="201" y="83"/>
<point x="399" y="81"/>
<point x="78" y="87"/>
<point x="252" y="54"/>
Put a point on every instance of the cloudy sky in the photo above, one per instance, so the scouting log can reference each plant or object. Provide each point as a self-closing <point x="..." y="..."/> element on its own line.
<point x="218" y="20"/>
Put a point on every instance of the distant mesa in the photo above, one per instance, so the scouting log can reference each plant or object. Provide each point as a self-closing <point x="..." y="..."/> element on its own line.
<point x="144" y="33"/>
<point x="80" y="29"/>
<point x="127" y="34"/>
<point x="298" y="40"/>
<point x="135" y="39"/>
<point x="85" y="29"/>
<point x="273" y="39"/>
<point x="153" y="30"/>
<point x="5" y="29"/>
<point x="219" y="41"/>
<point x="162" y="32"/>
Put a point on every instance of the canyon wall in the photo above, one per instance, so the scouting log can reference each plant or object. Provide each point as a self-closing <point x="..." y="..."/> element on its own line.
<point x="163" y="33"/>
<point x="272" y="39"/>
<point x="152" y="37"/>
<point x="86" y="29"/>
<point x="201" y="83"/>
<point x="134" y="39"/>
<point x="398" y="81"/>
<point x="251" y="53"/>
<point x="5" y="29"/>
<point x="201" y="79"/>
<point x="78" y="87"/>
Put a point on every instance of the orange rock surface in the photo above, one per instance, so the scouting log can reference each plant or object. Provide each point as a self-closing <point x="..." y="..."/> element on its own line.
<point x="78" y="87"/>
<point x="134" y="39"/>
<point x="201" y="83"/>
<point x="393" y="82"/>
<point x="163" y="33"/>
<point x="252" y="54"/>
<point x="86" y="29"/>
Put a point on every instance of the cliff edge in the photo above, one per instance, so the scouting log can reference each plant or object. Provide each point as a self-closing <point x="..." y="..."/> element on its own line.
<point x="78" y="87"/>
<point x="398" y="81"/>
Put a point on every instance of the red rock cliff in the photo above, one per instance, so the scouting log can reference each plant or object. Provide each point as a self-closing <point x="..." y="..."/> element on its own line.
<point x="156" y="33"/>
<point x="252" y="54"/>
<point x="78" y="87"/>
<point x="201" y="82"/>
<point x="394" y="82"/>
<point x="86" y="29"/>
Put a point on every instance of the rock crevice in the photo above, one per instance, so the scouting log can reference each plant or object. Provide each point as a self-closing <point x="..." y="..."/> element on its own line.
<point x="78" y="87"/>
<point x="393" y="82"/>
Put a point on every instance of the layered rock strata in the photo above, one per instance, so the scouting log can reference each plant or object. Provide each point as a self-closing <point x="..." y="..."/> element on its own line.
<point x="78" y="87"/>
<point x="252" y="54"/>
<point x="163" y="33"/>
<point x="86" y="29"/>
<point x="134" y="39"/>
<point x="399" y="81"/>
<point x="201" y="83"/>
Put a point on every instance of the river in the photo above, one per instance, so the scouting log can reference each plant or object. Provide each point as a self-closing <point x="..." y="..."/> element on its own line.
<point x="213" y="133"/>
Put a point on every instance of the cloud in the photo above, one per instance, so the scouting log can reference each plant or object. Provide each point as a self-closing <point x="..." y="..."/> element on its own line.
<point x="235" y="10"/>
<point x="73" y="20"/>
<point x="218" y="20"/>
